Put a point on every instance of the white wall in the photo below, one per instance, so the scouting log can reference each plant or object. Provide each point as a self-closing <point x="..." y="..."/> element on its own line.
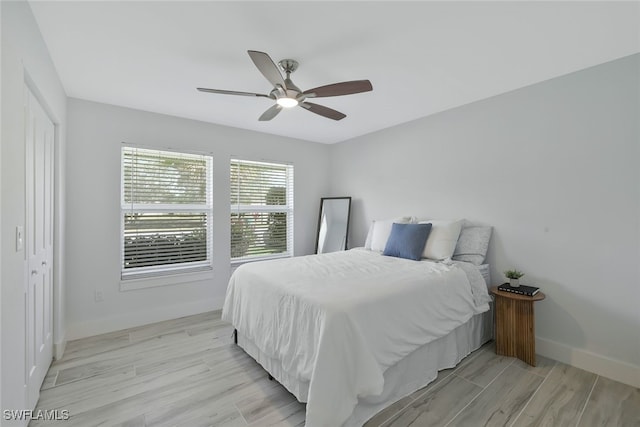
<point x="24" y="58"/>
<point x="95" y="134"/>
<point x="554" y="168"/>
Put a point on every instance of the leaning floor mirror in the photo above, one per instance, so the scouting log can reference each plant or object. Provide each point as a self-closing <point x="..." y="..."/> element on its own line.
<point x="333" y="224"/>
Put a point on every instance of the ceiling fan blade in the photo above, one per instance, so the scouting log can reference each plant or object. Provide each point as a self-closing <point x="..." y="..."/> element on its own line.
<point x="267" y="67"/>
<point x="337" y="89"/>
<point x="270" y="113"/>
<point x="231" y="92"/>
<point x="323" y="111"/>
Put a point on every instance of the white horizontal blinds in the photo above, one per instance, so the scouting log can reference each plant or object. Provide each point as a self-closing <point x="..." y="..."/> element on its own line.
<point x="261" y="210"/>
<point x="154" y="239"/>
<point x="166" y="212"/>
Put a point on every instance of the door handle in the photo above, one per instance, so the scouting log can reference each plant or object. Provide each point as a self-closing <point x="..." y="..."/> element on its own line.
<point x="34" y="272"/>
<point x="44" y="263"/>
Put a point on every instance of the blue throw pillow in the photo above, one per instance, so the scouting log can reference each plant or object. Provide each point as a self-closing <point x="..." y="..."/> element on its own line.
<point x="407" y="240"/>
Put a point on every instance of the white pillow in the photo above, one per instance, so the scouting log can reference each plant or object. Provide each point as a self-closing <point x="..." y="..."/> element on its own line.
<point x="380" y="230"/>
<point x="442" y="239"/>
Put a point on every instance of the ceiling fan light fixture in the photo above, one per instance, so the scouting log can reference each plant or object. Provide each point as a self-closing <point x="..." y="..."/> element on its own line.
<point x="286" y="102"/>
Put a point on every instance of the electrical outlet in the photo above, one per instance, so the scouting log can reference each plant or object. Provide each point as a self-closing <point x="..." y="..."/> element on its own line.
<point x="98" y="296"/>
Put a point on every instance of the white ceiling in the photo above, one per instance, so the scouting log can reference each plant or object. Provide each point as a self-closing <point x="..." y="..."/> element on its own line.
<point x="421" y="57"/>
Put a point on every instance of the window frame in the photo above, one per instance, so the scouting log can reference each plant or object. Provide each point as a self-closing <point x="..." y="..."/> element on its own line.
<point x="166" y="274"/>
<point x="288" y="209"/>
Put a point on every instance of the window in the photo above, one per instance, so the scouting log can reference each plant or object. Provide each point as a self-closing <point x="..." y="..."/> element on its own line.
<point x="261" y="210"/>
<point x="166" y="212"/>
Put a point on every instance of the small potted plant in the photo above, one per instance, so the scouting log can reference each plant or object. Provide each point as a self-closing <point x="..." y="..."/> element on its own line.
<point x="514" y="277"/>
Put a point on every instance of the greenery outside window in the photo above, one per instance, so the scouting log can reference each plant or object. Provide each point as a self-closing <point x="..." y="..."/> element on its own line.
<point x="166" y="212"/>
<point x="261" y="210"/>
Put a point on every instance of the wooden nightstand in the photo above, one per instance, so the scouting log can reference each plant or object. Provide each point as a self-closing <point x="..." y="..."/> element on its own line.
<point x="515" y="325"/>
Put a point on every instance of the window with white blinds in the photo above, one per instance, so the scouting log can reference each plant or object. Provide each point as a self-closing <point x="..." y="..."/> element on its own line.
<point x="261" y="210"/>
<point x="166" y="212"/>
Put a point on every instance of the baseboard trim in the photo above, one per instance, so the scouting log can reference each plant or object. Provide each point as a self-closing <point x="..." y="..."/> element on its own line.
<point x="59" y="347"/>
<point x="105" y="325"/>
<point x="614" y="369"/>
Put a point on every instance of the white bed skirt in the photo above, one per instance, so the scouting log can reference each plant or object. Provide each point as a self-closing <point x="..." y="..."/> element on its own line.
<point x="408" y="375"/>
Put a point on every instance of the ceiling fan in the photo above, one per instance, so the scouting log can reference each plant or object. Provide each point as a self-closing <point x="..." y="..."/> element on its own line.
<point x="288" y="95"/>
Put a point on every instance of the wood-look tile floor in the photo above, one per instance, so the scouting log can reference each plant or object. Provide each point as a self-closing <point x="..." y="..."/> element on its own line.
<point x="187" y="372"/>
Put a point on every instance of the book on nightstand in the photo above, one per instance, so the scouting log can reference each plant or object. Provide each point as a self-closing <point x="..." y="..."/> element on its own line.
<point x="521" y="290"/>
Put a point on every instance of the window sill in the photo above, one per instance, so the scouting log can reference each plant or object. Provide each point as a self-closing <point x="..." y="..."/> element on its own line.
<point x="239" y="262"/>
<point x="164" y="280"/>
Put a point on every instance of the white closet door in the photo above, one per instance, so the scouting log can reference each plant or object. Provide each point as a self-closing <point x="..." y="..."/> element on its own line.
<point x="39" y="246"/>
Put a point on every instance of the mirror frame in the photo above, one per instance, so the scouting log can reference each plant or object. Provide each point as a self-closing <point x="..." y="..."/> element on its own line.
<point x="346" y="240"/>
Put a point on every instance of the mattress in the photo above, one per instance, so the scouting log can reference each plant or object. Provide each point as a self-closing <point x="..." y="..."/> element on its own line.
<point x="486" y="273"/>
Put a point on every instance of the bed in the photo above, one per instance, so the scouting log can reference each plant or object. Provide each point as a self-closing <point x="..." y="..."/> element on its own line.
<point x="351" y="332"/>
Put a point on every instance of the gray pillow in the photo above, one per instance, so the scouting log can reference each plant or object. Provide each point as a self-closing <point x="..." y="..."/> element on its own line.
<point x="473" y="244"/>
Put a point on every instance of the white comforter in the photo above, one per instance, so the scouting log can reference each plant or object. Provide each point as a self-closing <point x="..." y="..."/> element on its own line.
<point x="340" y="320"/>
